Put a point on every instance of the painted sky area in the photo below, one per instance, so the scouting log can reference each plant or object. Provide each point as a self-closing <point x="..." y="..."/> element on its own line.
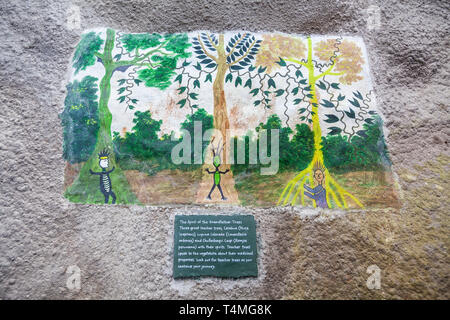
<point x="243" y="114"/>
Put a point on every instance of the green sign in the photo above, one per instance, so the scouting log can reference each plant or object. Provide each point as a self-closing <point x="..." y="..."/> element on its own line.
<point x="215" y="245"/>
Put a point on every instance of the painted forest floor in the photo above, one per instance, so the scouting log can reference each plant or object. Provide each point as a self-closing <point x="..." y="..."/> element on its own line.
<point x="165" y="187"/>
<point x="375" y="189"/>
<point x="179" y="187"/>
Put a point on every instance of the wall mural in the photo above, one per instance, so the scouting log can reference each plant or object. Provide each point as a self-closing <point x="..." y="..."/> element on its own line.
<point x="236" y="118"/>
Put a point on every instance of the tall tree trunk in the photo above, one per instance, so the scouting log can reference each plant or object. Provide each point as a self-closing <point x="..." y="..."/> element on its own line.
<point x="85" y="188"/>
<point x="221" y="121"/>
<point x="222" y="124"/>
<point x="317" y="131"/>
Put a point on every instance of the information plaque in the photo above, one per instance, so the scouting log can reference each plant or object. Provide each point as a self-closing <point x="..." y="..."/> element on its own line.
<point x="215" y="245"/>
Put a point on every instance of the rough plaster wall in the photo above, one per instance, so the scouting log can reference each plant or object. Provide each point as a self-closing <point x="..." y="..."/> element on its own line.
<point x="125" y="252"/>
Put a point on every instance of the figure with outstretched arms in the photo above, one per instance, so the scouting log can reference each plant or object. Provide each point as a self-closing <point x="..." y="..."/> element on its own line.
<point x="105" y="180"/>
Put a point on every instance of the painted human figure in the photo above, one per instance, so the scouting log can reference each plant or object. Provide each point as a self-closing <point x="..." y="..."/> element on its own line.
<point x="318" y="193"/>
<point x="105" y="180"/>
<point x="216" y="173"/>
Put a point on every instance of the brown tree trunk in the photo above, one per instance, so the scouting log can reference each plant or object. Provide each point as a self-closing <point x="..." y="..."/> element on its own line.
<point x="221" y="121"/>
<point x="221" y="124"/>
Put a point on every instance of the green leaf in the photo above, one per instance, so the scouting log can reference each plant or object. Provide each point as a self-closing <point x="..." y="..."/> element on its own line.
<point x="308" y="88"/>
<point x="185" y="63"/>
<point x="198" y="66"/>
<point x="350" y="113"/>
<point x="236" y="68"/>
<point x="261" y="69"/>
<point x="298" y="73"/>
<point x="251" y="68"/>
<point x="340" y="97"/>
<point x="121" y="90"/>
<point x="295" y="90"/>
<point x="179" y="78"/>
<point x="302" y="81"/>
<point x="238" y="81"/>
<point x="229" y="77"/>
<point x="193" y="95"/>
<point x="196" y="84"/>
<point x="206" y="61"/>
<point x="121" y="99"/>
<point x="271" y="83"/>
<point x="297" y="101"/>
<point x="121" y="81"/>
<point x="327" y="104"/>
<point x="257" y="102"/>
<point x="137" y="81"/>
<point x="309" y="95"/>
<point x="321" y="85"/>
<point x="194" y="106"/>
<point x="254" y="92"/>
<point x="355" y="103"/>
<point x="281" y="62"/>
<point x="266" y="93"/>
<point x="182" y="102"/>
<point x="358" y="95"/>
<point x="331" y="118"/>
<point x="248" y="83"/>
<point x="335" y="85"/>
<point x="334" y="131"/>
<point x="131" y="107"/>
<point x="279" y="92"/>
<point x="208" y="77"/>
<point x="301" y="110"/>
<point x="134" y="100"/>
<point x="117" y="57"/>
<point x="181" y="90"/>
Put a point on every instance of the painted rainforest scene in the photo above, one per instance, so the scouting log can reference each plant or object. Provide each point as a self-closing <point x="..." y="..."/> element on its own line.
<point x="253" y="119"/>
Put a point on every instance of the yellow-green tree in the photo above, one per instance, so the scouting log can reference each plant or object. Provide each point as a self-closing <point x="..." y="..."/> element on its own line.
<point x="340" y="59"/>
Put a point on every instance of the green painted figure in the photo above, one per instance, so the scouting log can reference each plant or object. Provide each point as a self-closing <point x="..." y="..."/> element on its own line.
<point x="216" y="172"/>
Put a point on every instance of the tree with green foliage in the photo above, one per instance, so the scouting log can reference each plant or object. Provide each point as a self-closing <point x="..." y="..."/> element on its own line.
<point x="370" y="150"/>
<point x="80" y="120"/>
<point x="142" y="149"/>
<point x="144" y="142"/>
<point x="215" y="56"/>
<point x="337" y="152"/>
<point x="287" y="154"/>
<point x="285" y="149"/>
<point x="307" y="67"/>
<point x="366" y="151"/>
<point x="302" y="146"/>
<point x="154" y="57"/>
<point x="207" y="120"/>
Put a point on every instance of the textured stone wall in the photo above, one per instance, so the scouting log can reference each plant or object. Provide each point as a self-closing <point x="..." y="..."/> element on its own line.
<point x="125" y="252"/>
